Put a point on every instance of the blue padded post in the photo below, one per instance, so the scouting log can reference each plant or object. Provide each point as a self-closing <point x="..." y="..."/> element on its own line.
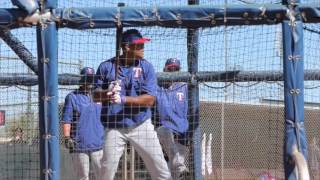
<point x="48" y="99"/>
<point x="293" y="69"/>
<point x="193" y="94"/>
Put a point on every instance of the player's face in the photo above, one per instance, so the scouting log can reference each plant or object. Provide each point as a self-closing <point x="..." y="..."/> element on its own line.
<point x="171" y="69"/>
<point x="137" y="50"/>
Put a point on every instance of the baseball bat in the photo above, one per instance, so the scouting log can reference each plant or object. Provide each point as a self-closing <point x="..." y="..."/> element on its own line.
<point x="118" y="41"/>
<point x="101" y="95"/>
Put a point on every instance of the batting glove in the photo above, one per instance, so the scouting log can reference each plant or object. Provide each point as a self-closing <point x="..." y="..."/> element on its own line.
<point x="117" y="98"/>
<point x="114" y="87"/>
<point x="69" y="143"/>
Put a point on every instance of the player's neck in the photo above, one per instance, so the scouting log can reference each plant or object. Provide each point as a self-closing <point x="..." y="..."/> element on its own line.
<point x="167" y="84"/>
<point x="127" y="61"/>
<point x="85" y="89"/>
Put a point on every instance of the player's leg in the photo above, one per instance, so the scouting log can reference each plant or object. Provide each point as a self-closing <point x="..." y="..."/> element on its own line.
<point x="179" y="160"/>
<point x="145" y="141"/>
<point x="167" y="142"/>
<point x="176" y="152"/>
<point x="81" y="164"/>
<point x="96" y="157"/>
<point x="112" y="151"/>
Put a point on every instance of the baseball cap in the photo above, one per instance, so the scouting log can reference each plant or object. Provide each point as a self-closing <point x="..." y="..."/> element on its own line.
<point x="87" y="75"/>
<point x="172" y="63"/>
<point x="87" y="71"/>
<point x="133" y="36"/>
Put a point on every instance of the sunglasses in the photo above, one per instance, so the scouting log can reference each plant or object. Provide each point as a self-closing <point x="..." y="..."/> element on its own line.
<point x="136" y="46"/>
<point x="171" y="69"/>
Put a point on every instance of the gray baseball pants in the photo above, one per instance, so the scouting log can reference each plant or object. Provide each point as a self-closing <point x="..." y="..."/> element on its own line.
<point x="81" y="164"/>
<point x="176" y="152"/>
<point x="145" y="141"/>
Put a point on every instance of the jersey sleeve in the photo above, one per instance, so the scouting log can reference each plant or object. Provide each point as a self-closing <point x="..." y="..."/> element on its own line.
<point x="67" y="110"/>
<point x="149" y="85"/>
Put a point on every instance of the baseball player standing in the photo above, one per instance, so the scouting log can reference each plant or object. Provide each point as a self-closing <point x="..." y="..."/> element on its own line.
<point x="172" y="108"/>
<point x="82" y="127"/>
<point x="126" y="108"/>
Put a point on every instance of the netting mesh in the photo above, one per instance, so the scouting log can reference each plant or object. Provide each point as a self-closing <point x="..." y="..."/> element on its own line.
<point x="19" y="144"/>
<point x="244" y="118"/>
<point x="250" y="124"/>
<point x="312" y="99"/>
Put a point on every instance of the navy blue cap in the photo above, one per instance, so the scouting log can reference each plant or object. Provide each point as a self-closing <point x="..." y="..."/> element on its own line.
<point x="87" y="75"/>
<point x="133" y="36"/>
<point x="87" y="71"/>
<point x="172" y="63"/>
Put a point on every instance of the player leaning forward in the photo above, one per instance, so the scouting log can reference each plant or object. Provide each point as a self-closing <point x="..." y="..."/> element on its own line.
<point x="126" y="110"/>
<point x="172" y="108"/>
<point x="82" y="127"/>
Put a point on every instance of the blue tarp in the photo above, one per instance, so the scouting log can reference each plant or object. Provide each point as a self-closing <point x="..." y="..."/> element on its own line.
<point x="191" y="16"/>
<point x="187" y="16"/>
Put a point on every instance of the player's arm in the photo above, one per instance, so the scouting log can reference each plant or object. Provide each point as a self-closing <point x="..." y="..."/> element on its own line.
<point x="69" y="143"/>
<point x="67" y="116"/>
<point x="66" y="129"/>
<point x="142" y="100"/>
<point x="66" y="123"/>
<point x="148" y="91"/>
<point x="148" y="88"/>
<point x="101" y="95"/>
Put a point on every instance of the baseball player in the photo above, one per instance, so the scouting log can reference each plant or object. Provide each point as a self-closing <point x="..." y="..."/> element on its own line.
<point x="82" y="128"/>
<point x="126" y="109"/>
<point x="172" y="108"/>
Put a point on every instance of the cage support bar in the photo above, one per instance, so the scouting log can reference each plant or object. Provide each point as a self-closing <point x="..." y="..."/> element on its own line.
<point x="22" y="52"/>
<point x="11" y="79"/>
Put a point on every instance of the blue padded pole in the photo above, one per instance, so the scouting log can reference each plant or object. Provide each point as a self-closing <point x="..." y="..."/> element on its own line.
<point x="48" y="101"/>
<point x="48" y="98"/>
<point x="193" y="94"/>
<point x="293" y="69"/>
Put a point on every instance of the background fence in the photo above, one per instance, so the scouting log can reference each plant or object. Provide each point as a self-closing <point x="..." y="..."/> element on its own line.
<point x="245" y="116"/>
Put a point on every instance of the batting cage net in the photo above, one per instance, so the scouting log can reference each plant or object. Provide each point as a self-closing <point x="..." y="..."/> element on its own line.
<point x="239" y="90"/>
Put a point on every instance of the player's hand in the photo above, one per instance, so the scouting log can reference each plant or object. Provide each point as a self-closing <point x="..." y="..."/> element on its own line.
<point x="100" y="95"/>
<point x="69" y="143"/>
<point x="114" y="87"/>
<point x="117" y="98"/>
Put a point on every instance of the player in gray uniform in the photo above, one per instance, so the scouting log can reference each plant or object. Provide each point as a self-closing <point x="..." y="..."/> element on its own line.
<point x="172" y="108"/>
<point x="126" y="112"/>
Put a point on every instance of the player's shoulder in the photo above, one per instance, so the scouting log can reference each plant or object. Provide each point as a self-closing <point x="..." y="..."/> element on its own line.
<point x="74" y="93"/>
<point x="183" y="83"/>
<point x="70" y="95"/>
<point x="180" y="84"/>
<point x="145" y="62"/>
<point x="107" y="62"/>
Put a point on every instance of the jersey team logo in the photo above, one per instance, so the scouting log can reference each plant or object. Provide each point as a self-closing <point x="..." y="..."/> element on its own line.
<point x="137" y="71"/>
<point x="180" y="96"/>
